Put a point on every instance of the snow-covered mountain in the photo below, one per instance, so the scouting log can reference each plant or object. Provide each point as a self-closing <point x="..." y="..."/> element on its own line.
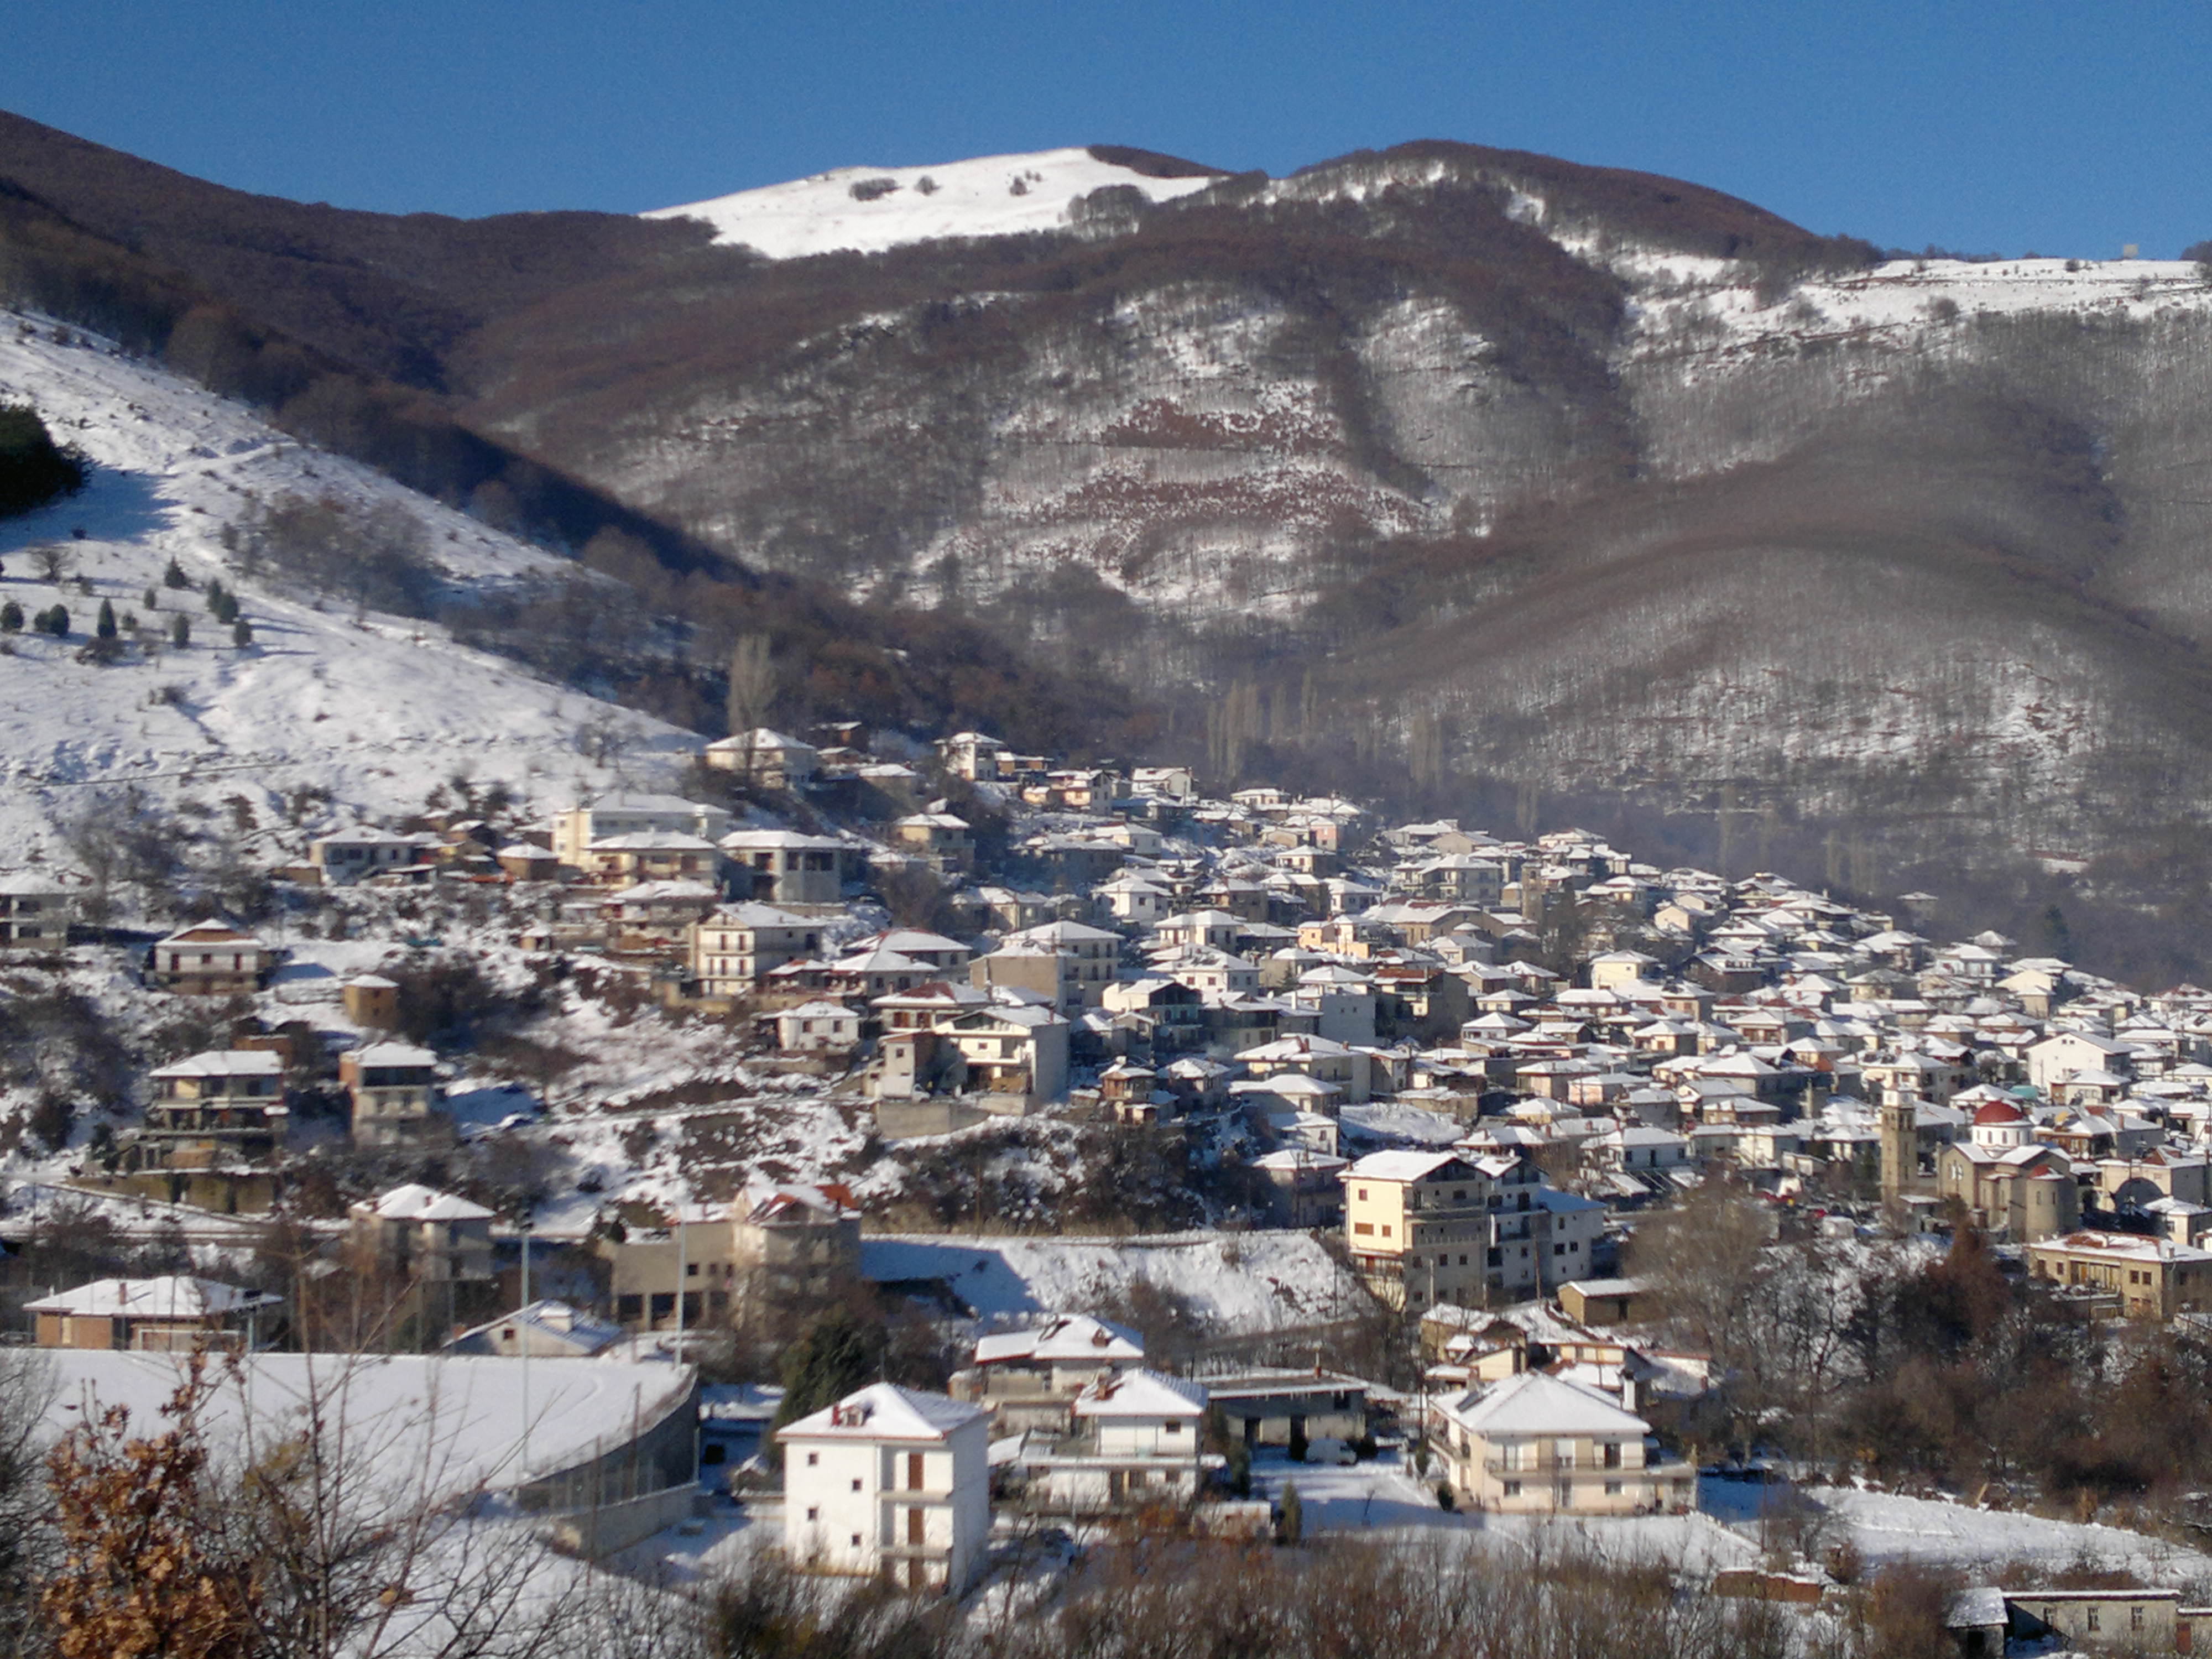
<point x="868" y="210"/>
<point x="375" y="710"/>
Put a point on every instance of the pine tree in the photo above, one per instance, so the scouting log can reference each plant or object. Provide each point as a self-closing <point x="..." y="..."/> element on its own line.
<point x="1293" y="1528"/>
<point x="241" y="634"/>
<point x="180" y="630"/>
<point x="57" y="622"/>
<point x="837" y="1355"/>
<point x="105" y="626"/>
<point x="153" y="600"/>
<point x="11" y="617"/>
<point x="215" y="598"/>
<point x="174" y="576"/>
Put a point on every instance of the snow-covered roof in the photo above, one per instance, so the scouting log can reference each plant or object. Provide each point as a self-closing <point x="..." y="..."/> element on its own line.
<point x="415" y="1202"/>
<point x="1142" y="1394"/>
<point x="886" y="1411"/>
<point x="1534" y="1403"/>
<point x="225" y="1062"/>
<point x="173" y="1296"/>
<point x="1064" y="1337"/>
<point x="394" y="1054"/>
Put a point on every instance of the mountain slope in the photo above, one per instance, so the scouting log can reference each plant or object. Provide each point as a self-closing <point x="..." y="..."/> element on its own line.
<point x="1422" y="466"/>
<point x="369" y="711"/>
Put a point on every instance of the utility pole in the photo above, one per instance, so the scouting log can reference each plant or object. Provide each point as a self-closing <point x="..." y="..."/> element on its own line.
<point x="522" y="1325"/>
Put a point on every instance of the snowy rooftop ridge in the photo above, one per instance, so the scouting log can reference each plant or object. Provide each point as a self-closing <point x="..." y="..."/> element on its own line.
<point x="868" y="210"/>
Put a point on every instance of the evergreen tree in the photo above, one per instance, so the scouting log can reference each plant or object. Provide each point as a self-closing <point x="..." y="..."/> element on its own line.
<point x="837" y="1355"/>
<point x="153" y="600"/>
<point x="105" y="626"/>
<point x="215" y="598"/>
<point x="1293" y="1528"/>
<point x="57" y="622"/>
<point x="180" y="630"/>
<point x="11" y="617"/>
<point x="174" y="576"/>
<point x="241" y="634"/>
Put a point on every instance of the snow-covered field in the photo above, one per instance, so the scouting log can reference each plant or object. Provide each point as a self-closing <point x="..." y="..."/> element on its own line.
<point x="1241" y="1284"/>
<point x="376" y="709"/>
<point x="985" y="195"/>
<point x="1886" y="1527"/>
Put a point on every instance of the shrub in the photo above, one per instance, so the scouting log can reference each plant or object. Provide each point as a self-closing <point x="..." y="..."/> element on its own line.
<point x="241" y="633"/>
<point x="34" y="469"/>
<point x="175" y="577"/>
<point x="872" y="190"/>
<point x="11" y="617"/>
<point x="153" y="600"/>
<point x="1291" y="1529"/>
<point x="180" y="630"/>
<point x="104" y="628"/>
<point x="56" y="621"/>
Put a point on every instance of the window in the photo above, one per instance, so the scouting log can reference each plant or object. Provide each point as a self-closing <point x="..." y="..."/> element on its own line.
<point x="856" y="1541"/>
<point x="1513" y="1489"/>
<point x="1363" y="1192"/>
<point x="813" y="1460"/>
<point x="856" y="1485"/>
<point x="2091" y="1622"/>
<point x="1363" y="1229"/>
<point x="1612" y="1489"/>
<point x="813" y="1513"/>
<point x="1173" y="1427"/>
<point x="1386" y="1230"/>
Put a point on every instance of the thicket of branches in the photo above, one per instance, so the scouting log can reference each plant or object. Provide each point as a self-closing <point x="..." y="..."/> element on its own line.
<point x="1917" y="1366"/>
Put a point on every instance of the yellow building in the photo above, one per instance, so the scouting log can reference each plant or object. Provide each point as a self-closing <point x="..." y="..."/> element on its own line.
<point x="1419" y="1226"/>
<point x="2153" y="1278"/>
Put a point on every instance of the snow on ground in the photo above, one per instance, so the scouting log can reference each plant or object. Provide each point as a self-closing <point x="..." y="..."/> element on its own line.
<point x="987" y="196"/>
<point x="447" y="1425"/>
<point x="1887" y="1526"/>
<point x="1242" y="1283"/>
<point x="377" y="709"/>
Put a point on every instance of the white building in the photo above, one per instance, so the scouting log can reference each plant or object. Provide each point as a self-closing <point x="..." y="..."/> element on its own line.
<point x="616" y="815"/>
<point x="817" y="1028"/>
<point x="33" y="912"/>
<point x="1540" y="1444"/>
<point x="1138" y="1440"/>
<point x="889" y="1483"/>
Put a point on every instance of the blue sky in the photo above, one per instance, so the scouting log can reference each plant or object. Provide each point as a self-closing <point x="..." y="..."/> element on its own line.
<point x="1993" y="127"/>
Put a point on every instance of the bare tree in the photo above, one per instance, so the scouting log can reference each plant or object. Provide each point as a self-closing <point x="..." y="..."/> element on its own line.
<point x="753" y="683"/>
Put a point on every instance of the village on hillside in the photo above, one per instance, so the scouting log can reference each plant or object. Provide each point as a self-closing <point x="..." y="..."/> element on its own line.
<point x="893" y="1153"/>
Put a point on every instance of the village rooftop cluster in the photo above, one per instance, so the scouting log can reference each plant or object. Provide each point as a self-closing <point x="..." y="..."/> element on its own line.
<point x="1470" y="1061"/>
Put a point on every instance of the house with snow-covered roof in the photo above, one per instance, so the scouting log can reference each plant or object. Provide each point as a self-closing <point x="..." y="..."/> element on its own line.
<point x="424" y="1234"/>
<point x="395" y="1095"/>
<point x="767" y="758"/>
<point x="1535" y="1443"/>
<point x="34" y="911"/>
<point x="221" y="1106"/>
<point x="210" y="959"/>
<point x="175" y="1313"/>
<point x="889" y="1483"/>
<point x="1137" y="1440"/>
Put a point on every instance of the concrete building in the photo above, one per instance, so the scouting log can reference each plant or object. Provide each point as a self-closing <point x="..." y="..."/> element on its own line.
<point x="437" y="1237"/>
<point x="398" y="1100"/>
<point x="34" y="912"/>
<point x="771" y="1246"/>
<point x="888" y="1483"/>
<point x="783" y="867"/>
<point x="1137" y="1440"/>
<point x="2153" y="1277"/>
<point x="352" y="855"/>
<point x="223" y="1106"/>
<point x="765" y="758"/>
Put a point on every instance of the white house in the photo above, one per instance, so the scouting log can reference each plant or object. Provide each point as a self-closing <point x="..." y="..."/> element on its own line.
<point x="891" y="1483"/>
<point x="1138" y="1440"/>
<point x="616" y="815"/>
<point x="768" y="758"/>
<point x="349" y="855"/>
<point x="817" y="1028"/>
<point x="34" y="911"/>
<point x="1540" y="1444"/>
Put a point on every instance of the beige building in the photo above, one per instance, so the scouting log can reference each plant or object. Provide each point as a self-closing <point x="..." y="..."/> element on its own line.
<point x="208" y="959"/>
<point x="174" y="1314"/>
<point x="2153" y="1278"/>
<point x="439" y="1237"/>
<point x="773" y="1245"/>
<point x="1538" y="1443"/>
<point x="615" y="815"/>
<point x="783" y="867"/>
<point x="731" y="949"/>
<point x="398" y="1100"/>
<point x="2011" y="1186"/>
<point x="1418" y="1227"/>
<point x="767" y="758"/>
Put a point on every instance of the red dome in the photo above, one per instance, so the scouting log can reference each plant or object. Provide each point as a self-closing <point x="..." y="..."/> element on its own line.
<point x="1999" y="1111"/>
